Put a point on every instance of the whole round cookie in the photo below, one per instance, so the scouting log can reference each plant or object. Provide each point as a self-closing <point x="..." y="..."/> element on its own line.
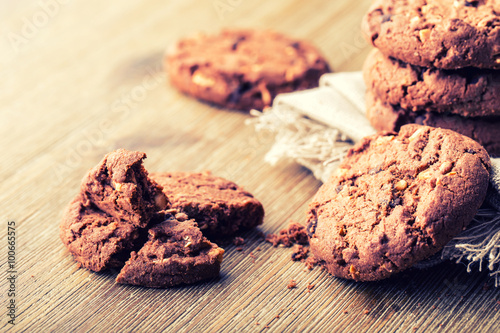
<point x="447" y="34"/>
<point x="220" y="207"/>
<point x="387" y="117"/>
<point x="469" y="92"/>
<point x="243" y="69"/>
<point x="397" y="198"/>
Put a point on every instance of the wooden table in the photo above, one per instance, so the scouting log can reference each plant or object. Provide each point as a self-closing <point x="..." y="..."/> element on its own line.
<point x="82" y="78"/>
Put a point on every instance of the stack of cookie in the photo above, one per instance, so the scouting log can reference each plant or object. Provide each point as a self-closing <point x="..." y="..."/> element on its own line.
<point x="436" y="64"/>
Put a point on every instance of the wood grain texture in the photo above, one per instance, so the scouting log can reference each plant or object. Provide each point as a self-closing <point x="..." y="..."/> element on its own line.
<point x="87" y="80"/>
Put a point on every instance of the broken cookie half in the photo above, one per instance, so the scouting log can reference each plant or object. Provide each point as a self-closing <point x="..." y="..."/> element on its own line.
<point x="220" y="207"/>
<point x="176" y="253"/>
<point x="119" y="186"/>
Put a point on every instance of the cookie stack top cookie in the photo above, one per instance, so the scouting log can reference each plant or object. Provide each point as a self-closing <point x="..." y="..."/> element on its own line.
<point x="437" y="65"/>
<point x="446" y="34"/>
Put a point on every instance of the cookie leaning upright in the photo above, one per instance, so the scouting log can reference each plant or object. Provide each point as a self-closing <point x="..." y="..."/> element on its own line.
<point x="446" y="34"/>
<point x="243" y="69"/>
<point x="116" y="201"/>
<point x="396" y="199"/>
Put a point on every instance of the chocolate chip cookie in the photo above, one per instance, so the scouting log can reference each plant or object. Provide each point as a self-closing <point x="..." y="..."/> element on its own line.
<point x="446" y="34"/>
<point x="116" y="201"/>
<point x="176" y="253"/>
<point x="243" y="69"/>
<point x="396" y="199"/>
<point x="469" y="92"/>
<point x="220" y="207"/>
<point x="387" y="117"/>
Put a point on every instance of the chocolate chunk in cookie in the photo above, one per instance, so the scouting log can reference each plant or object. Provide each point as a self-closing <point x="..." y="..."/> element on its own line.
<point x="447" y="34"/>
<point x="387" y="117"/>
<point x="469" y="92"/>
<point x="396" y="199"/>
<point x="176" y="253"/>
<point x="119" y="186"/>
<point x="220" y="207"/>
<point x="115" y="202"/>
<point x="243" y="69"/>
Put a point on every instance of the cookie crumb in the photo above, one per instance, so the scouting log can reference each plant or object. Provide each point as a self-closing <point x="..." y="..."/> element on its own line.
<point x="238" y="241"/>
<point x="295" y="233"/>
<point x="273" y="239"/>
<point x="346" y="312"/>
<point x="310" y="286"/>
<point x="239" y="249"/>
<point x="292" y="284"/>
<point x="366" y="312"/>
<point x="311" y="262"/>
<point x="299" y="252"/>
<point x="277" y="316"/>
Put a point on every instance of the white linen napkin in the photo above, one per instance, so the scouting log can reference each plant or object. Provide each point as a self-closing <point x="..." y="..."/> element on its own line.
<point x="316" y="127"/>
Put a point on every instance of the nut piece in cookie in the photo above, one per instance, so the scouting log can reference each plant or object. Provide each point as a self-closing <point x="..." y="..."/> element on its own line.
<point x="119" y="186"/>
<point x="220" y="207"/>
<point x="397" y="202"/>
<point x="243" y="69"/>
<point x="176" y="253"/>
<point x="105" y="220"/>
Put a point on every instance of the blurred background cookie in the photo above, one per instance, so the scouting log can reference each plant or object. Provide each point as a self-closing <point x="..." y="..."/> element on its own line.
<point x="243" y="69"/>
